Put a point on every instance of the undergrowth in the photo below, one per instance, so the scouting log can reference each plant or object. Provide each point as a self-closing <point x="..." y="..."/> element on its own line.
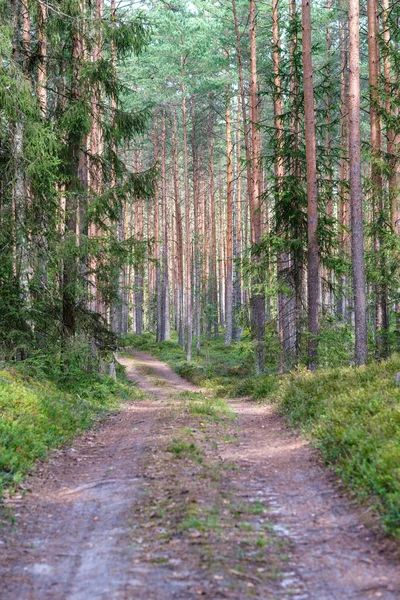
<point x="352" y="414"/>
<point x="48" y="399"/>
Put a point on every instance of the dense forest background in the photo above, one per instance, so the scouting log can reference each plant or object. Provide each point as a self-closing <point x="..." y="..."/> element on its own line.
<point x="200" y="167"/>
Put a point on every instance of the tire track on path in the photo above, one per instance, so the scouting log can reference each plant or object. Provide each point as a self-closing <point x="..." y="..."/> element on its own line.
<point x="73" y="534"/>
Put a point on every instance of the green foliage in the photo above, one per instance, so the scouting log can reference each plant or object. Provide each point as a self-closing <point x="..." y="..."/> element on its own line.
<point x="48" y="252"/>
<point x="353" y="414"/>
<point x="182" y="449"/>
<point x="46" y="401"/>
<point x="336" y="343"/>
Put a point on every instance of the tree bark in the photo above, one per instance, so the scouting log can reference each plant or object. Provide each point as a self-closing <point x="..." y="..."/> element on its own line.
<point x="381" y="313"/>
<point x="42" y="52"/>
<point x="196" y="228"/>
<point x="213" y="283"/>
<point x="357" y="228"/>
<point x="257" y="295"/>
<point x="188" y="237"/>
<point x="179" y="233"/>
<point x="229" y="223"/>
<point x="165" y="317"/>
<point x="237" y="281"/>
<point x="158" y="303"/>
<point x="344" y="208"/>
<point x="327" y="279"/>
<point x="285" y="304"/>
<point x="246" y="137"/>
<point x="312" y="189"/>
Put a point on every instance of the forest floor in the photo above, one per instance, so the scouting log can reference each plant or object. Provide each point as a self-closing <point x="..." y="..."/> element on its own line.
<point x="184" y="496"/>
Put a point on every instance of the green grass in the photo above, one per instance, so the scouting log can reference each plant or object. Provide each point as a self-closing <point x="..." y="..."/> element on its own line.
<point x="352" y="414"/>
<point x="40" y="410"/>
<point x="182" y="449"/>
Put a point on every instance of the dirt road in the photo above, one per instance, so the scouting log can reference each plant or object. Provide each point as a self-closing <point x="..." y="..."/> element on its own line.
<point x="171" y="499"/>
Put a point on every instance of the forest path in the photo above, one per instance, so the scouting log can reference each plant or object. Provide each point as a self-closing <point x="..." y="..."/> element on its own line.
<point x="167" y="500"/>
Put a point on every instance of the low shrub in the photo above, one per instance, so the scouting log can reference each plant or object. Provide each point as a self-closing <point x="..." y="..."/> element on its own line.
<point x="353" y="415"/>
<point x="45" y="402"/>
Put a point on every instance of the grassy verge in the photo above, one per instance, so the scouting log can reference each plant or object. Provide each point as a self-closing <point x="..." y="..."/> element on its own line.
<point x="351" y="414"/>
<point x="43" y="404"/>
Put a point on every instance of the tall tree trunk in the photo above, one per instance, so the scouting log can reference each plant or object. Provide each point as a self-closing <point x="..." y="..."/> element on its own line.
<point x="139" y="267"/>
<point x="285" y="304"/>
<point x="312" y="188"/>
<point x="196" y="229"/>
<point x="393" y="137"/>
<point x="158" y="303"/>
<point x="246" y="137"/>
<point x="95" y="178"/>
<point x="295" y="167"/>
<point x="344" y="208"/>
<point x="393" y="140"/>
<point x="151" y="312"/>
<point x="357" y="228"/>
<point x="381" y="323"/>
<point x="229" y="223"/>
<point x="179" y="233"/>
<point x="188" y="236"/>
<point x="213" y="284"/>
<point x="42" y="52"/>
<point x="237" y="282"/>
<point x="165" y="317"/>
<point x="221" y="256"/>
<point x="327" y="283"/>
<point x="257" y="296"/>
<point x="76" y="184"/>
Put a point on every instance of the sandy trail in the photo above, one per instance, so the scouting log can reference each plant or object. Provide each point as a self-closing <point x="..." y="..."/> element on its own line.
<point x="333" y="555"/>
<point x="73" y="533"/>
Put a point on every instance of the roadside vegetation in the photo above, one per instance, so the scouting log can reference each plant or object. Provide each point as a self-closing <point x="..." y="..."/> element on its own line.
<point x="352" y="414"/>
<point x="46" y="400"/>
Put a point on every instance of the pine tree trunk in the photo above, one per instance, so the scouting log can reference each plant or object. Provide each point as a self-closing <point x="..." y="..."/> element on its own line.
<point x="138" y="231"/>
<point x="381" y="324"/>
<point x="221" y="257"/>
<point x="196" y="229"/>
<point x="237" y="282"/>
<point x="42" y="53"/>
<point x="357" y="228"/>
<point x="312" y="189"/>
<point x="296" y="258"/>
<point x="95" y="178"/>
<point x="188" y="236"/>
<point x="393" y="138"/>
<point x="158" y="302"/>
<point x="229" y="223"/>
<point x="213" y="284"/>
<point x="285" y="301"/>
<point x="179" y="233"/>
<point x="165" y="331"/>
<point x="257" y="296"/>
<point x="76" y="183"/>
<point x="327" y="279"/>
<point x="343" y="210"/>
